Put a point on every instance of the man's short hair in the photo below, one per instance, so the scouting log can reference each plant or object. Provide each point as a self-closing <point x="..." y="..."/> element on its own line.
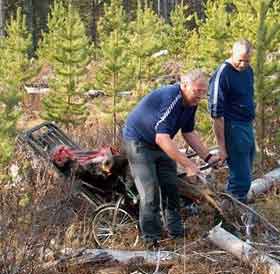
<point x="193" y="76"/>
<point x="242" y="45"/>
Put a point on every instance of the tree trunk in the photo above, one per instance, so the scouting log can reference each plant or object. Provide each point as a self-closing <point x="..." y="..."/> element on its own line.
<point x="40" y="14"/>
<point x="165" y="10"/>
<point x="158" y="8"/>
<point x="93" y="26"/>
<point x="29" y="11"/>
<point x="261" y="48"/>
<point x="126" y="7"/>
<point x="2" y="18"/>
<point x="242" y="250"/>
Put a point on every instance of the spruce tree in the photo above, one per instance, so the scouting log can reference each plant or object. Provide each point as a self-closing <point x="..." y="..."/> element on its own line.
<point x="14" y="69"/>
<point x="70" y="55"/>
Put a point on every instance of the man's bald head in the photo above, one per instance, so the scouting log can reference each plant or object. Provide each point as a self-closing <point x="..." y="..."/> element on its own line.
<point x="241" y="54"/>
<point x="242" y="46"/>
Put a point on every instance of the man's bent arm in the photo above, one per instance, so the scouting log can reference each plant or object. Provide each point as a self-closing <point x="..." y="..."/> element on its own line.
<point x="194" y="140"/>
<point x="164" y="141"/>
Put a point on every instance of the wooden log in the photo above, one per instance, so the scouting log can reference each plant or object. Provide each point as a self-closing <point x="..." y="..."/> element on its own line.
<point x="242" y="250"/>
<point x="264" y="184"/>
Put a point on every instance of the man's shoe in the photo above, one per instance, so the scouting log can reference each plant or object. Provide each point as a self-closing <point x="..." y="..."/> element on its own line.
<point x="151" y="245"/>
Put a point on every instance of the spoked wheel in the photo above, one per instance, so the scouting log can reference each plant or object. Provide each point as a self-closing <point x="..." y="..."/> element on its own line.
<point x="114" y="227"/>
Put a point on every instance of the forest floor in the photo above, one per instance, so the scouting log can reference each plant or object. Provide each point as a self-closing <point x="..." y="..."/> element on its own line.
<point x="40" y="207"/>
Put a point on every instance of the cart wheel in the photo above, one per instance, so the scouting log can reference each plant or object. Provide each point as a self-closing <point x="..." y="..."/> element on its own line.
<point x="114" y="227"/>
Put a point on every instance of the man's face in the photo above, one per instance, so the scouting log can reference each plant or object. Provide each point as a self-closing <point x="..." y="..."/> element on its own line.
<point x="192" y="94"/>
<point x="241" y="60"/>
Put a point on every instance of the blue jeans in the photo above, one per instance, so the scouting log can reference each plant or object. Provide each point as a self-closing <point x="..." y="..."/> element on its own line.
<point x="154" y="173"/>
<point x="240" y="146"/>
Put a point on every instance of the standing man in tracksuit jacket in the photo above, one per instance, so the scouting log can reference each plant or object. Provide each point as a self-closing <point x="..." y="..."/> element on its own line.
<point x="231" y="103"/>
<point x="152" y="154"/>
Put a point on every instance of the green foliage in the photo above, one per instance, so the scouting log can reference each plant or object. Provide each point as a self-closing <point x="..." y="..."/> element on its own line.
<point x="177" y="32"/>
<point x="257" y="21"/>
<point x="114" y="19"/>
<point x="209" y="44"/>
<point x="267" y="70"/>
<point x="70" y="55"/>
<point x="50" y="39"/>
<point x="14" y="66"/>
<point x="85" y="10"/>
<point x="6" y="149"/>
<point x="126" y="56"/>
<point x="113" y="74"/>
<point x="147" y="36"/>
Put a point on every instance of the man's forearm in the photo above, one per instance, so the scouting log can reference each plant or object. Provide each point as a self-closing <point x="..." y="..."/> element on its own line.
<point x="194" y="140"/>
<point x="219" y="128"/>
<point x="167" y="145"/>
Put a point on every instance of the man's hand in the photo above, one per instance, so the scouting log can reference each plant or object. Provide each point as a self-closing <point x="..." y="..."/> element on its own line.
<point x="215" y="161"/>
<point x="223" y="155"/>
<point x="191" y="169"/>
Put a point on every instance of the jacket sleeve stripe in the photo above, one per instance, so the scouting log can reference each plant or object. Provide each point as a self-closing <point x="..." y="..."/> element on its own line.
<point x="168" y="111"/>
<point x="216" y="88"/>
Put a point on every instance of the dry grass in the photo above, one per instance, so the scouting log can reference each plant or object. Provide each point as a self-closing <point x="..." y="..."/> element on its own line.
<point x="40" y="215"/>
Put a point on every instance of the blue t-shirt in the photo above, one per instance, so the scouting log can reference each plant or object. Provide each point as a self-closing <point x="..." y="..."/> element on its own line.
<point x="231" y="94"/>
<point x="161" y="111"/>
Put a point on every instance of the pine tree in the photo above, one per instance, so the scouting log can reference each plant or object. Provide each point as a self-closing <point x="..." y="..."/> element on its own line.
<point x="177" y="32"/>
<point x="114" y="19"/>
<point x="258" y="22"/>
<point x="50" y="39"/>
<point x="147" y="36"/>
<point x="70" y="55"/>
<point x="14" y="65"/>
<point x="210" y="43"/>
<point x="266" y="71"/>
<point x="207" y="46"/>
<point x="113" y="76"/>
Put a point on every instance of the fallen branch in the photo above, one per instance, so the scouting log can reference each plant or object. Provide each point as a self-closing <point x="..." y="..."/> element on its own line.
<point x="242" y="250"/>
<point x="268" y="225"/>
<point x="264" y="184"/>
<point x="197" y="192"/>
<point x="110" y="256"/>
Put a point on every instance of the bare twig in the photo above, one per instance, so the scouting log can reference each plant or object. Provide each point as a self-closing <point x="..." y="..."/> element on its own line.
<point x="271" y="226"/>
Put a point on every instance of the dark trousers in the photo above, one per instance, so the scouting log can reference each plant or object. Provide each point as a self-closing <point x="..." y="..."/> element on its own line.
<point x="240" y="146"/>
<point x="154" y="173"/>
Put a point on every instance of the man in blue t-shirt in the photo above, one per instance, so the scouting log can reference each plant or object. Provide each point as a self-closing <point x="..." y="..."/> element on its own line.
<point x="152" y="153"/>
<point x="231" y="103"/>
